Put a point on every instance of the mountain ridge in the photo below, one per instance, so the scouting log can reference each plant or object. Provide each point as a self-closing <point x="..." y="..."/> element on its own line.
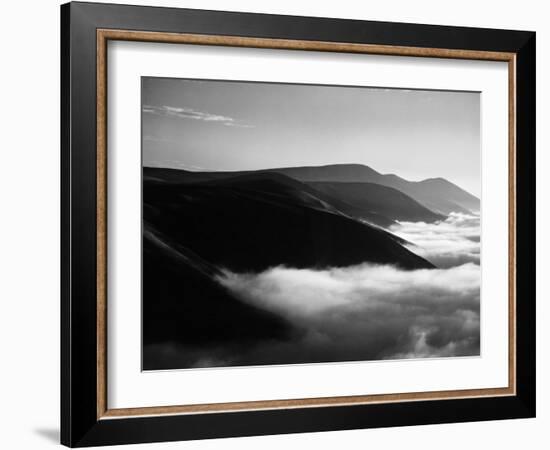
<point x="437" y="194"/>
<point x="376" y="204"/>
<point x="225" y="221"/>
<point x="379" y="199"/>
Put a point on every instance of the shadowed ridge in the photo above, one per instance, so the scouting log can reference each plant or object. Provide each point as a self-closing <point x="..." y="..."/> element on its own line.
<point x="436" y="194"/>
<point x="376" y="198"/>
<point x="185" y="304"/>
<point x="259" y="222"/>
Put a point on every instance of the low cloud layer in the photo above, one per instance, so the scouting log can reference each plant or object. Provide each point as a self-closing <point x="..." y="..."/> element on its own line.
<point x="365" y="312"/>
<point x="448" y="243"/>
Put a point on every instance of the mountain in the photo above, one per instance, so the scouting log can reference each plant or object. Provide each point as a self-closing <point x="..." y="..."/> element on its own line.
<point x="376" y="204"/>
<point x="254" y="222"/>
<point x="335" y="172"/>
<point x="196" y="227"/>
<point x="432" y="190"/>
<point x="183" y="303"/>
<point x="296" y="191"/>
<point x="437" y="194"/>
<point x="187" y="177"/>
<point x="379" y="199"/>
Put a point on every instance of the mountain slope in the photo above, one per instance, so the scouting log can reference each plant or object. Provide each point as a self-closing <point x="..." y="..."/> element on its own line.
<point x="306" y="194"/>
<point x="160" y="175"/>
<point x="379" y="199"/>
<point x="253" y="223"/>
<point x="433" y="189"/>
<point x="184" y="304"/>
<point x="437" y="194"/>
<point x="193" y="232"/>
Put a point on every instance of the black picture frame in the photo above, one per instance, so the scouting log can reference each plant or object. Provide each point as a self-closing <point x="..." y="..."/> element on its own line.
<point x="80" y="425"/>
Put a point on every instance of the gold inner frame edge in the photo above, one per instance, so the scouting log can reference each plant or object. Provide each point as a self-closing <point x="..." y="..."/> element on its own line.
<point x="103" y="36"/>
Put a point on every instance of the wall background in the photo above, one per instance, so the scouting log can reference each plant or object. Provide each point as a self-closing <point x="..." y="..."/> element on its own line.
<point x="29" y="236"/>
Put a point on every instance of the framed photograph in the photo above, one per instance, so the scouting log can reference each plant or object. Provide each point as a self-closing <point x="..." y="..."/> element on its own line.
<point x="276" y="224"/>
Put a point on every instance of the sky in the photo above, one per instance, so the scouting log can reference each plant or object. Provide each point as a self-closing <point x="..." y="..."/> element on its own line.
<point x="237" y="125"/>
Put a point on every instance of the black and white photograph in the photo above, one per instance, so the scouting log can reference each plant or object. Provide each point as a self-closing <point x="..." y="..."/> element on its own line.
<point x="299" y="224"/>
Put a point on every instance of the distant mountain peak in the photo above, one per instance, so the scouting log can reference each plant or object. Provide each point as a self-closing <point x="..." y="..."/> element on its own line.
<point x="435" y="180"/>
